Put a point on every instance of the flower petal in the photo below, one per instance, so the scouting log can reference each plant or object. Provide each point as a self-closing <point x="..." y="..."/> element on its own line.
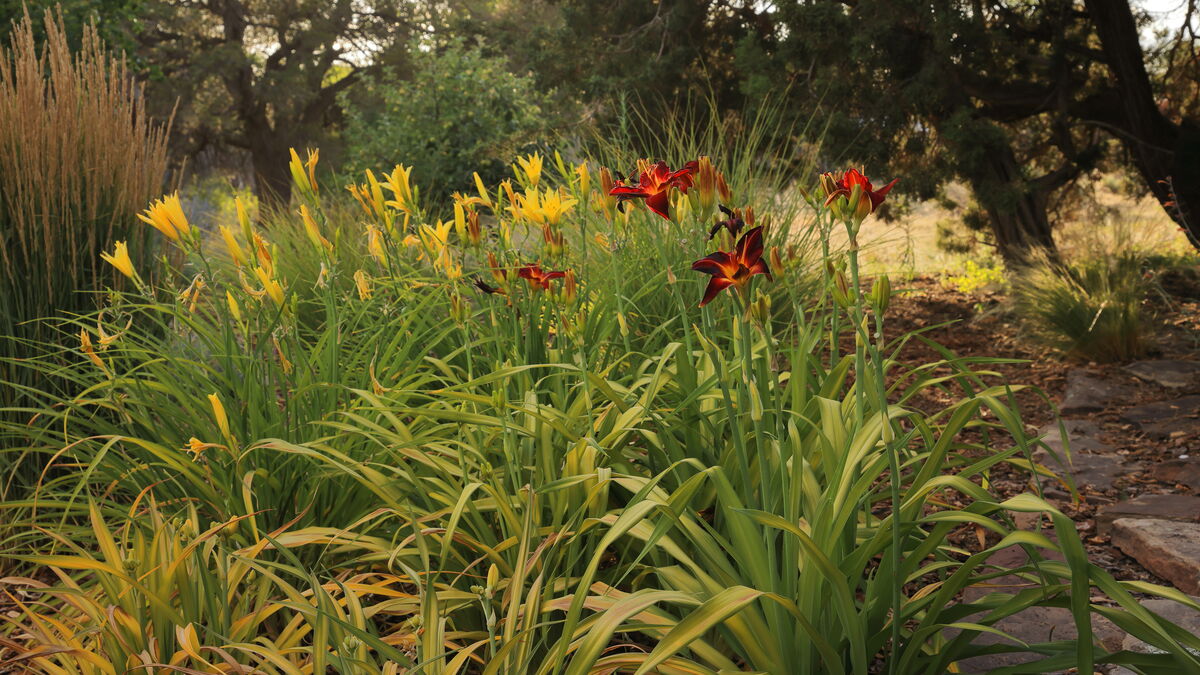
<point x="628" y="191"/>
<point x="878" y="195"/>
<point x="761" y="267"/>
<point x="715" y="286"/>
<point x="660" y="203"/>
<point x="750" y="247"/>
<point x="715" y="263"/>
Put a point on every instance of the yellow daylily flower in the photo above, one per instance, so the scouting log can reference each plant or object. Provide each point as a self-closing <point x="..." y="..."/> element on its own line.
<point x="191" y="294"/>
<point x="85" y="344"/>
<point x="531" y="166"/>
<point x="585" y="178"/>
<point x="218" y="410"/>
<point x="235" y="250"/>
<point x="555" y="204"/>
<point x="166" y="216"/>
<point x="305" y="175"/>
<point x="364" y="285"/>
<point x="398" y="183"/>
<point x="120" y="260"/>
<point x="313" y="232"/>
<point x="375" y="244"/>
<point x="436" y="238"/>
<point x="283" y="360"/>
<point x="483" y="193"/>
<point x="243" y="218"/>
<point x="508" y="190"/>
<point x="272" y="287"/>
<point x="234" y="309"/>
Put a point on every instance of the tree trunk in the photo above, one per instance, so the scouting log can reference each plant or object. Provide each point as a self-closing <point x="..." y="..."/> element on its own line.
<point x="272" y="177"/>
<point x="1016" y="206"/>
<point x="1166" y="155"/>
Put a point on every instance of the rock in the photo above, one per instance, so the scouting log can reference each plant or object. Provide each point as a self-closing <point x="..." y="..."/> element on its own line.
<point x="1164" y="418"/>
<point x="1082" y="435"/>
<point x="1037" y="624"/>
<point x="1168" y="374"/>
<point x="1179" y="471"/>
<point x="1087" y="393"/>
<point x="1169" y="549"/>
<point x="1173" y="507"/>
<point x="1034" y="624"/>
<point x="1097" y="471"/>
<point x="1184" y="617"/>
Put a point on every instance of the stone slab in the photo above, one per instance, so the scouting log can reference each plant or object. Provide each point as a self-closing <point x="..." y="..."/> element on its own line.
<point x="1169" y="549"/>
<point x="1097" y="471"/>
<point x="1167" y="373"/>
<point x="1163" y="418"/>
<point x="1184" y="472"/>
<point x="1082" y="436"/>
<point x="1037" y="624"/>
<point x="1184" y="617"/>
<point x="1173" y="507"/>
<point x="1088" y="393"/>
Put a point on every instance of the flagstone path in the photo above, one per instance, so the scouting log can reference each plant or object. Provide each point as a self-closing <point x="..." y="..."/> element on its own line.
<point x="1159" y="530"/>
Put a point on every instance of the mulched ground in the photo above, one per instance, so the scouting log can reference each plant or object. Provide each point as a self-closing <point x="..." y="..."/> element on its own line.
<point x="982" y="326"/>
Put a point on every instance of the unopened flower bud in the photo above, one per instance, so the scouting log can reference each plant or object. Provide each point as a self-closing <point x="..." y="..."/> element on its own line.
<point x="569" y="286"/>
<point x="881" y="293"/>
<point x="841" y="289"/>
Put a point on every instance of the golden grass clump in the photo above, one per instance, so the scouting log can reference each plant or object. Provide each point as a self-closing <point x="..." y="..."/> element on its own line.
<point x="79" y="157"/>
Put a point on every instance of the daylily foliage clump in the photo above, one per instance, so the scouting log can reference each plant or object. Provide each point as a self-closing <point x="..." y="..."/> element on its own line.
<point x="512" y="434"/>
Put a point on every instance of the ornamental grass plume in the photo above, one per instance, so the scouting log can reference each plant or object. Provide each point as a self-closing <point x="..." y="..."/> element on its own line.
<point x="79" y="157"/>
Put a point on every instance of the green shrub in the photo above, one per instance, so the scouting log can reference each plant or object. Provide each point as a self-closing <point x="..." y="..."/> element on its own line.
<point x="458" y="112"/>
<point x="1092" y="309"/>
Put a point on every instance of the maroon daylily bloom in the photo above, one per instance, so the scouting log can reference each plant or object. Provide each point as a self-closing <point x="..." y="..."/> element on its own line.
<point x="733" y="223"/>
<point x="654" y="185"/>
<point x="538" y="278"/>
<point x="733" y="268"/>
<point x="844" y="187"/>
<point x="488" y="288"/>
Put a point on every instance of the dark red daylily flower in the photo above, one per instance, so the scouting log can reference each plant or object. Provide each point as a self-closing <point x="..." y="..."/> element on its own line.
<point x="844" y="187"/>
<point x="654" y="185"/>
<point x="733" y="222"/>
<point x="733" y="268"/>
<point x="538" y="278"/>
<point x="488" y="288"/>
